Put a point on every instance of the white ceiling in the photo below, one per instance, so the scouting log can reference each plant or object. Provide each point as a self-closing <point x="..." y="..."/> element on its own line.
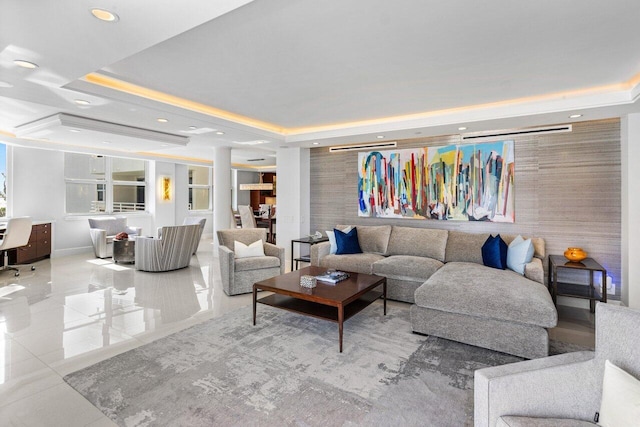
<point x="329" y="71"/>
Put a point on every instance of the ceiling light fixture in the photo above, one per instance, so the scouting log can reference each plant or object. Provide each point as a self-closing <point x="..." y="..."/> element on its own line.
<point x="104" y="15"/>
<point x="380" y="136"/>
<point x="462" y="128"/>
<point x="161" y="120"/>
<point x="25" y="64"/>
<point x="82" y="102"/>
<point x="193" y="127"/>
<point x="268" y="186"/>
<point x="316" y="143"/>
<point x="219" y="133"/>
<point x="74" y="130"/>
<point x="106" y="142"/>
<point x="575" y="116"/>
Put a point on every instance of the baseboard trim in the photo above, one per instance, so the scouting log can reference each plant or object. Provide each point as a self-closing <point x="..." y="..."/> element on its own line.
<point x="58" y="253"/>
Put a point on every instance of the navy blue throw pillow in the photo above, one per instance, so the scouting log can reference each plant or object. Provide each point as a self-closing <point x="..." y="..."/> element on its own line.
<point x="347" y="243"/>
<point x="494" y="252"/>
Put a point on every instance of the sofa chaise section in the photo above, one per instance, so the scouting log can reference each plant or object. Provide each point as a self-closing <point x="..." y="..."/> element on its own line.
<point x="496" y="309"/>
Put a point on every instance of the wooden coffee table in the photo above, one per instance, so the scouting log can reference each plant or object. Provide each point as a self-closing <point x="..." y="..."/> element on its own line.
<point x="335" y="303"/>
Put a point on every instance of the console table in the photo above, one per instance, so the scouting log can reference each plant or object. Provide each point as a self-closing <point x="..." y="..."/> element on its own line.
<point x="308" y="241"/>
<point x="587" y="290"/>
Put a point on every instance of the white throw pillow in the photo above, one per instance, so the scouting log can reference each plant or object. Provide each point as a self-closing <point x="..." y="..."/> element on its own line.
<point x="620" y="398"/>
<point x="332" y="239"/>
<point x="243" y="251"/>
<point x="519" y="254"/>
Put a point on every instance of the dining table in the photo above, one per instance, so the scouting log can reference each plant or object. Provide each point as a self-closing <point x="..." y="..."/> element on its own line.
<point x="269" y="223"/>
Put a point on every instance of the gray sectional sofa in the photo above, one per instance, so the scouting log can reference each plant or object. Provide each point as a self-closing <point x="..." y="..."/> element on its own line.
<point x="454" y="295"/>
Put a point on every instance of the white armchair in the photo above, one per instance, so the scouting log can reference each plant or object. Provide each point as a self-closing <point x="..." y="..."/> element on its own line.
<point x="170" y="252"/>
<point x="104" y="229"/>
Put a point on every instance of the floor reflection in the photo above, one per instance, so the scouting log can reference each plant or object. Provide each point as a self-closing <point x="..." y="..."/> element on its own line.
<point x="77" y="310"/>
<point x="173" y="294"/>
<point x="80" y="305"/>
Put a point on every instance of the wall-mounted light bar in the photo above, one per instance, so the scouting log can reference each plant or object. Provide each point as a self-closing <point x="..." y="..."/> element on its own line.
<point x="366" y="146"/>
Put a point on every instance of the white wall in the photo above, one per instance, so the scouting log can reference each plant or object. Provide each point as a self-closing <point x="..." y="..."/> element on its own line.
<point x="293" y="197"/>
<point x="182" y="201"/>
<point x="630" y="135"/>
<point x="165" y="211"/>
<point x="36" y="188"/>
<point x="181" y="195"/>
<point x="222" y="217"/>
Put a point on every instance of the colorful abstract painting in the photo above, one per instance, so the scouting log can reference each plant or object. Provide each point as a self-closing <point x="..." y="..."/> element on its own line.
<point x="456" y="182"/>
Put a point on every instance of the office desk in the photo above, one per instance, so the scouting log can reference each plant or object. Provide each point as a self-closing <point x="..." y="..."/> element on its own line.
<point x="38" y="247"/>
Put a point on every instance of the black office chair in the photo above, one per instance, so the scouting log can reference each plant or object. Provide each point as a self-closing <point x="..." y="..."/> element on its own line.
<point x="16" y="234"/>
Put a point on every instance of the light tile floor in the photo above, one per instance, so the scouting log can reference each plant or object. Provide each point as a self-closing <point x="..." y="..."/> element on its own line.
<point x="75" y="311"/>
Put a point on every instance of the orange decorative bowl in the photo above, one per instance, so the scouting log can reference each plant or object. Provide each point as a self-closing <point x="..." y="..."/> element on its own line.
<point x="575" y="254"/>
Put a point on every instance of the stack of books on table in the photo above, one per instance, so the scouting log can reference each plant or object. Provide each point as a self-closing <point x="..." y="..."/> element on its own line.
<point x="333" y="276"/>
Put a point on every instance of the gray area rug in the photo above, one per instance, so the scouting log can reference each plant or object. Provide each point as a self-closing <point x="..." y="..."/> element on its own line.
<point x="287" y="370"/>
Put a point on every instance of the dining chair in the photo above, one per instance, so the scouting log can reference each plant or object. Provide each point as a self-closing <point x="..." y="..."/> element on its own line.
<point x="233" y="223"/>
<point x="246" y="217"/>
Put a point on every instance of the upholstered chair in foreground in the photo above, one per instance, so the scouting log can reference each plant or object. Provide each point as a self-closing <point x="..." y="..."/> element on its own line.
<point x="563" y="390"/>
<point x="104" y="229"/>
<point x="239" y="274"/>
<point x="170" y="252"/>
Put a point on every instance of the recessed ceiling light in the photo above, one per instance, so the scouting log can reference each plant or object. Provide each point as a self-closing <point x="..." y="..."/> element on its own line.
<point x="462" y="128"/>
<point x="161" y="120"/>
<point x="380" y="136"/>
<point x="25" y="64"/>
<point x="74" y="130"/>
<point x="5" y="84"/>
<point x="193" y="127"/>
<point x="316" y="143"/>
<point x="219" y="133"/>
<point x="82" y="102"/>
<point x="575" y="116"/>
<point x="104" y="15"/>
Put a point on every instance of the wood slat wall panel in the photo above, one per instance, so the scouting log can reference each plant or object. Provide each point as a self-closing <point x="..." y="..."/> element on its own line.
<point x="567" y="189"/>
